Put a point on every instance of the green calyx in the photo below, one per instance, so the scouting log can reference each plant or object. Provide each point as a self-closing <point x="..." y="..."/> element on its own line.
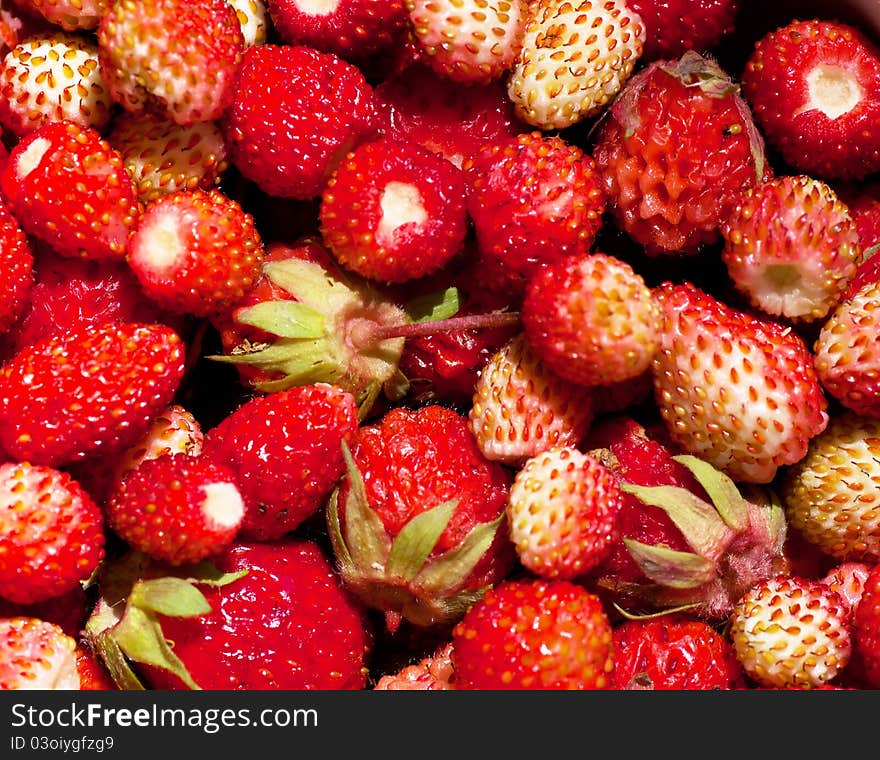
<point x="125" y="626"/>
<point x="402" y="575"/>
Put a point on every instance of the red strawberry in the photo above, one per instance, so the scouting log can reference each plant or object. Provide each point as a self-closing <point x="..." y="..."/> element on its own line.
<point x="16" y="270"/>
<point x="791" y="247"/>
<point x="195" y="252"/>
<point x="50" y="78"/>
<point x="66" y="398"/>
<point x="93" y="676"/>
<point x="68" y="187"/>
<point x="52" y="533"/>
<point x="814" y="87"/>
<point x="848" y="579"/>
<point x="533" y="200"/>
<point x="468" y="40"/>
<point x="271" y="616"/>
<point x="285" y="450"/>
<point x="449" y="118"/>
<point x="192" y="494"/>
<point x="173" y="57"/>
<point x="295" y="114"/>
<point x="394" y="211"/>
<point x="673" y="653"/>
<point x="867" y="273"/>
<point x="672" y="27"/>
<point x="417" y="493"/>
<point x="863" y="201"/>
<point x="162" y="156"/>
<point x="561" y="513"/>
<point x="591" y="319"/>
<point x="675" y="150"/>
<point x="734" y="389"/>
<point x="684" y="534"/>
<point x="352" y="29"/>
<point x="866" y="628"/>
<point x="71" y="14"/>
<point x="522" y="634"/>
<point x="36" y="655"/>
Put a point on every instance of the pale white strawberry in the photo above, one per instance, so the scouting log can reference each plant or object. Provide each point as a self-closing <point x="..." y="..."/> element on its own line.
<point x="468" y="40"/>
<point x="36" y="655"/>
<point x="832" y="495"/>
<point x="162" y="156"/>
<point x="791" y="247"/>
<point x="172" y="57"/>
<point x="432" y="673"/>
<point x="252" y="15"/>
<point x="736" y="390"/>
<point x="53" y="77"/>
<point x="521" y="409"/>
<point x="71" y="14"/>
<point x="575" y="57"/>
<point x="790" y="632"/>
<point x="561" y="512"/>
<point x="847" y="352"/>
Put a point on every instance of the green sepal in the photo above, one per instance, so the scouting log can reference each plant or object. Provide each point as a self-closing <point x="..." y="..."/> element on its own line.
<point x="670" y="568"/>
<point x="171" y="596"/>
<point x="286" y="319"/>
<point x="451" y="568"/>
<point x="114" y="660"/>
<point x="396" y="386"/>
<point x="417" y="539"/>
<point x="334" y="530"/>
<point x="365" y="535"/>
<point x="140" y="638"/>
<point x="652" y="615"/>
<point x="432" y="307"/>
<point x="206" y="573"/>
<point x="721" y="489"/>
<point x="699" y="523"/>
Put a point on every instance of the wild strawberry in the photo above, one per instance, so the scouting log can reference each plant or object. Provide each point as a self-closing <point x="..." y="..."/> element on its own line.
<point x="832" y="494"/>
<point x="417" y="495"/>
<point x="16" y="269"/>
<point x="561" y="513"/>
<point x="675" y="150"/>
<point x="468" y="40"/>
<point x="351" y="29"/>
<point x="672" y="27"/>
<point x="71" y="14"/>
<point x="450" y="118"/>
<point x="867" y="273"/>
<point x="394" y="211"/>
<point x="863" y="201"/>
<point x="52" y="533"/>
<point x="295" y="114"/>
<point x="312" y="635"/>
<point x="739" y="391"/>
<point x="791" y="247"/>
<point x="162" y="156"/>
<point x="866" y="627"/>
<point x="192" y="494"/>
<point x="592" y="319"/>
<point x="67" y="398"/>
<point x="93" y="676"/>
<point x="847" y="355"/>
<point x="285" y="450"/>
<point x="50" y="78"/>
<point x="533" y="199"/>
<point x="789" y="632"/>
<point x="176" y="58"/>
<point x="36" y="655"/>
<point x="72" y="294"/>
<point x="534" y="634"/>
<point x="432" y="673"/>
<point x="574" y="59"/>
<point x="813" y="86"/>
<point x="196" y="252"/>
<point x="521" y="409"/>
<point x="254" y="19"/>
<point x="684" y="535"/>
<point x="68" y="187"/>
<point x="848" y="579"/>
<point x="649" y="653"/>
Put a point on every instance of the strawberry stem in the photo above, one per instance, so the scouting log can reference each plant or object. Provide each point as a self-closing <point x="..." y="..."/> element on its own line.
<point x="366" y="334"/>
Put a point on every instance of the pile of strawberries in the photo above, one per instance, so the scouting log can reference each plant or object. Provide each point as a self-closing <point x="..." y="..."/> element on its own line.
<point x="438" y="344"/>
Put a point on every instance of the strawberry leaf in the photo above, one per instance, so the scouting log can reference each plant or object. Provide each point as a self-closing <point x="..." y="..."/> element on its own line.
<point x="417" y="539"/>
